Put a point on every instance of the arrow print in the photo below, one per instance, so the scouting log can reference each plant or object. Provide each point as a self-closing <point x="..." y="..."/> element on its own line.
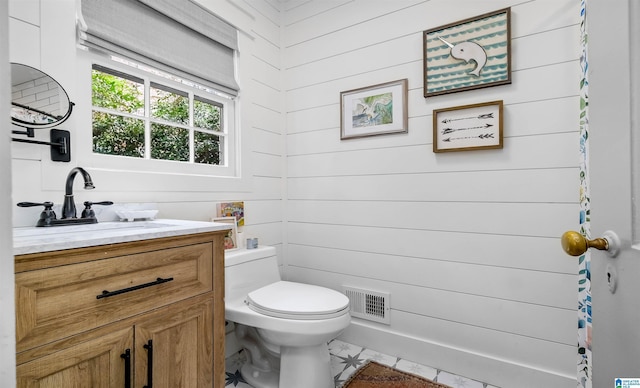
<point x="482" y="117"/>
<point x="481" y="136"/>
<point x="450" y="130"/>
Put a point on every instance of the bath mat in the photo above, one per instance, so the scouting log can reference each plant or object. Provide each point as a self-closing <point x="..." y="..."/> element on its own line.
<point x="376" y="375"/>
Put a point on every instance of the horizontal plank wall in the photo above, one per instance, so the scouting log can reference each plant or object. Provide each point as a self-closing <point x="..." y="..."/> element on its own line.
<point x="42" y="34"/>
<point x="466" y="243"/>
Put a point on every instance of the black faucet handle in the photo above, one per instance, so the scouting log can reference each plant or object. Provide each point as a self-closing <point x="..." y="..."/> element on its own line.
<point x="89" y="203"/>
<point x="47" y="205"/>
<point x="88" y="212"/>
<point x="47" y="216"/>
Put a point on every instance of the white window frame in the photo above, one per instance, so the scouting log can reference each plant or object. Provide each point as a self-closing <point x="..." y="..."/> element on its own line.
<point x="226" y="168"/>
<point x="153" y="174"/>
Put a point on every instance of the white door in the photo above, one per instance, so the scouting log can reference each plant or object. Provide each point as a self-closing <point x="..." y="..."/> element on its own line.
<point x="614" y="136"/>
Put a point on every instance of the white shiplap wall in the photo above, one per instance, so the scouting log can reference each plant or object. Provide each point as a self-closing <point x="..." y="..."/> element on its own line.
<point x="42" y="34"/>
<point x="467" y="243"/>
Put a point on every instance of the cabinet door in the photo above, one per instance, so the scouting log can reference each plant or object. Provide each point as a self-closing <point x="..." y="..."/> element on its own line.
<point x="174" y="347"/>
<point x="96" y="363"/>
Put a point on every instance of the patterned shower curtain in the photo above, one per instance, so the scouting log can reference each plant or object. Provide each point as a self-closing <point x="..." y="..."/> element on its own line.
<point x="584" y="262"/>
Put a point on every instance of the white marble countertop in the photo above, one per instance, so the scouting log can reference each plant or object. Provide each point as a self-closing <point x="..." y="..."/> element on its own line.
<point x="54" y="238"/>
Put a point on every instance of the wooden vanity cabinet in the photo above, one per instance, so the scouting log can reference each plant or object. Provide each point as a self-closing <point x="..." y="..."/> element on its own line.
<point x="145" y="313"/>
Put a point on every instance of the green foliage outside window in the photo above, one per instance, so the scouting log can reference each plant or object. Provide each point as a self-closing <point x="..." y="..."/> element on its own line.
<point x="169" y="106"/>
<point x="207" y="149"/>
<point x="117" y="134"/>
<point x="169" y="143"/>
<point x="206" y="115"/>
<point x="110" y="91"/>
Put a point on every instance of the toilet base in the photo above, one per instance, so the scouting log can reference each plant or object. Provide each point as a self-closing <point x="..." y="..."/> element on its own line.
<point x="308" y="367"/>
<point x="261" y="368"/>
<point x="258" y="378"/>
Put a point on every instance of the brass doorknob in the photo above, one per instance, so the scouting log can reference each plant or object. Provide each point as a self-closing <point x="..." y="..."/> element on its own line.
<point x="575" y="244"/>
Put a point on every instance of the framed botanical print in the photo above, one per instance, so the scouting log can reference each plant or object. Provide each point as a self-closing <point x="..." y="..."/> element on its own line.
<point x="374" y="110"/>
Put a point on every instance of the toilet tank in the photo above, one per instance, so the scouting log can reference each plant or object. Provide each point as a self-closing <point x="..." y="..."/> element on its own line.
<point x="246" y="270"/>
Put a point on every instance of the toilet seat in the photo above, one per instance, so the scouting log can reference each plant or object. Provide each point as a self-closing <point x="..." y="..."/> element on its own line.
<point x="292" y="300"/>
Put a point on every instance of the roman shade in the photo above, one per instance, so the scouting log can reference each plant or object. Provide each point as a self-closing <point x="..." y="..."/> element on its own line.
<point x="176" y="36"/>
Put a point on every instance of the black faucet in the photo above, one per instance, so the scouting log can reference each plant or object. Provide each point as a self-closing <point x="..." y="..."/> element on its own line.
<point x="48" y="216"/>
<point x="69" y="206"/>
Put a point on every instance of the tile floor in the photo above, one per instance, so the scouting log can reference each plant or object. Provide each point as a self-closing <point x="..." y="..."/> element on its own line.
<point x="346" y="358"/>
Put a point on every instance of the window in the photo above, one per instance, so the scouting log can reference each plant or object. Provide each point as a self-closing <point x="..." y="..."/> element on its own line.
<point x="143" y="113"/>
<point x="163" y="91"/>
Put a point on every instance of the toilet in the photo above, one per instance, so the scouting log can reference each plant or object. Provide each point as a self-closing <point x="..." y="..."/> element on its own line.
<point x="283" y="326"/>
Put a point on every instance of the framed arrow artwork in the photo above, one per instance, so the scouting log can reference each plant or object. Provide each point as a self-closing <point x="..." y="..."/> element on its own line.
<point x="469" y="54"/>
<point x="468" y="127"/>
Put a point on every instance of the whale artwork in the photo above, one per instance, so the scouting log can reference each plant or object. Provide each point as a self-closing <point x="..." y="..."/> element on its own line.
<point x="468" y="51"/>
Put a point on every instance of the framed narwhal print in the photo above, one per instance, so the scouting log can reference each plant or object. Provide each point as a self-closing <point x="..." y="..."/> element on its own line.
<point x="469" y="54"/>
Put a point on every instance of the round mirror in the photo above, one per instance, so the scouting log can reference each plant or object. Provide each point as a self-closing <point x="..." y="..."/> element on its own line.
<point x="38" y="101"/>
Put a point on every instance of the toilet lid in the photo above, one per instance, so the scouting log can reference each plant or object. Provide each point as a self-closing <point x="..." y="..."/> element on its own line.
<point x="297" y="301"/>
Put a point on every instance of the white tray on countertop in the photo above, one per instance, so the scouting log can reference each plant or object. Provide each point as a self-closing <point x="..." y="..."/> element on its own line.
<point x="131" y="215"/>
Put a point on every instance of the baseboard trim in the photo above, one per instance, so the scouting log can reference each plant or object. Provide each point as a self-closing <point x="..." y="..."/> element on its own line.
<point x="493" y="371"/>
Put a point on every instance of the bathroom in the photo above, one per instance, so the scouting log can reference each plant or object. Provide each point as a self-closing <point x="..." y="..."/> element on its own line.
<point x="466" y="243"/>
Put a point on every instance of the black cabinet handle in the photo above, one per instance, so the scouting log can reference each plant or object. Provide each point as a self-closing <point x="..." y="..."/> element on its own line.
<point x="106" y="294"/>
<point x="127" y="367"/>
<point x="149" y="347"/>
